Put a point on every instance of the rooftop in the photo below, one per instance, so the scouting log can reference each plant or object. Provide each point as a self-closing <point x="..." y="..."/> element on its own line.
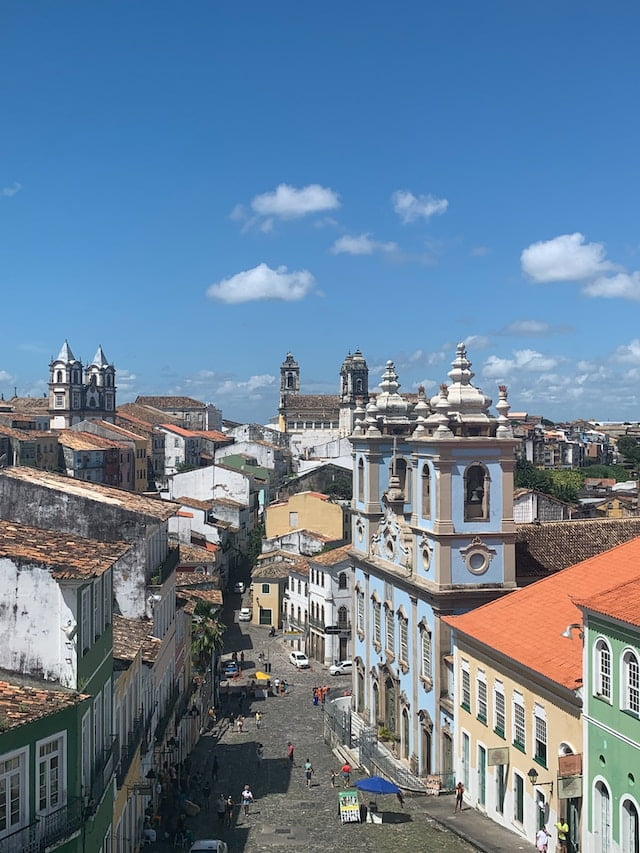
<point x="332" y="557"/>
<point x="130" y="635"/>
<point x="171" y="403"/>
<point x="621" y="602"/>
<point x="23" y="700"/>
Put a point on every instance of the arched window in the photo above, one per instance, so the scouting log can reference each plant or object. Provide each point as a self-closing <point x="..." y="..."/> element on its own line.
<point x="299" y="615"/>
<point x="630" y="699"/>
<point x="289" y="380"/>
<point x="342" y="580"/>
<point x="360" y="691"/>
<point x="322" y="614"/>
<point x="343" y="617"/>
<point x="405" y="734"/>
<point x="59" y="376"/>
<point x="376" y="702"/>
<point x="358" y="386"/>
<point x="476" y="493"/>
<point x="426" y="491"/>
<point x="630" y="828"/>
<point x="602" y="669"/>
<point x="403" y="473"/>
<point x="425" y="654"/>
<point x="361" y="479"/>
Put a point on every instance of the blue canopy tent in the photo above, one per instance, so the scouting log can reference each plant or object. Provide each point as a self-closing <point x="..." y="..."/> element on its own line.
<point x="377" y="785"/>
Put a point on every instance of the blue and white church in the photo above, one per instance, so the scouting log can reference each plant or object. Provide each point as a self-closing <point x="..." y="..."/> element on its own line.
<point x="433" y="535"/>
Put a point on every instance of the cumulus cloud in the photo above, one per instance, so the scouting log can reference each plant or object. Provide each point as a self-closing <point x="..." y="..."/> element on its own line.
<point x="524" y="359"/>
<point x="362" y="244"/>
<point x="11" y="190"/>
<point x="476" y="342"/>
<point x="410" y="207"/>
<point x="262" y="282"/>
<point x="628" y="353"/>
<point x="565" y="258"/>
<point x="288" y="202"/>
<point x="232" y="387"/>
<point x="621" y="286"/>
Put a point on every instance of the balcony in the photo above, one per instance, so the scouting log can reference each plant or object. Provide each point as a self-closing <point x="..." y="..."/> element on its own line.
<point x="47" y="831"/>
<point x="167" y="714"/>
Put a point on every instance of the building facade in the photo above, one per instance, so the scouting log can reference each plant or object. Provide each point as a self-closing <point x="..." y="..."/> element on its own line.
<point x="77" y="392"/>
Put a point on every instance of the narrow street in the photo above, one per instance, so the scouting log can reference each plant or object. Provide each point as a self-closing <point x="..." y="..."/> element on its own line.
<point x="288" y="816"/>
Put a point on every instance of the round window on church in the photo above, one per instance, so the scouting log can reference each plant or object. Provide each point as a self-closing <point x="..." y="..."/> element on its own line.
<point x="426" y="556"/>
<point x="477" y="562"/>
<point x="390" y="548"/>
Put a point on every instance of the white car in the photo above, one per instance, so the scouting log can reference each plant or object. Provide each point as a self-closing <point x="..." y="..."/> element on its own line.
<point x="341" y="667"/>
<point x="299" y="660"/>
<point x="239" y="587"/>
<point x="244" y="615"/>
<point x="211" y="844"/>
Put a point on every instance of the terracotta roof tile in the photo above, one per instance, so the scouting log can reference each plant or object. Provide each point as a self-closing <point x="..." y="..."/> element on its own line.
<point x="172" y="403"/>
<point x="24" y="700"/>
<point x="77" y="440"/>
<point x="332" y="557"/>
<point x="67" y="556"/>
<point x="194" y="596"/>
<point x="526" y="625"/>
<point x="130" y="635"/>
<point x="147" y="414"/>
<point x="178" y="430"/>
<point x="619" y="602"/>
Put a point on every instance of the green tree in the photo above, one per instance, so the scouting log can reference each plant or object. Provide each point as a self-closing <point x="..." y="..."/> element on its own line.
<point x="254" y="546"/>
<point x="566" y="484"/>
<point x="527" y="476"/>
<point x="604" y="472"/>
<point x="629" y="447"/>
<point x="207" y="635"/>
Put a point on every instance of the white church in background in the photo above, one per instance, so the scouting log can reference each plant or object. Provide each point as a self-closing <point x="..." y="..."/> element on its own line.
<point x="77" y="392"/>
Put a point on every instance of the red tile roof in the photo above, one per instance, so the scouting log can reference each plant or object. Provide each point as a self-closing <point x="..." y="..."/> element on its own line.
<point x="620" y="602"/>
<point x="526" y="625"/>
<point x="23" y="703"/>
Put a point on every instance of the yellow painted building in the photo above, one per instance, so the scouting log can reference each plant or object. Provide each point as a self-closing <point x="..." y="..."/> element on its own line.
<point x="269" y="581"/>
<point x="308" y="511"/>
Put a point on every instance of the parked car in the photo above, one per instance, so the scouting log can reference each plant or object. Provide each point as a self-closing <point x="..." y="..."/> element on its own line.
<point x="299" y="660"/>
<point x="244" y="615"/>
<point x="341" y="667"/>
<point x="211" y="844"/>
<point x="230" y="667"/>
<point x="239" y="587"/>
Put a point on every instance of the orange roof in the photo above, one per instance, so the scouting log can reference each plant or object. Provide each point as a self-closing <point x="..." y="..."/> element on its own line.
<point x="185" y="433"/>
<point x="526" y="625"/>
<point x="620" y="602"/>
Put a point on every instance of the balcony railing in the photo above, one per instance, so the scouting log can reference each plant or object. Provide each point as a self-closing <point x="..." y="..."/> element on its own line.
<point x="128" y="751"/>
<point x="167" y="714"/>
<point x="46" y="831"/>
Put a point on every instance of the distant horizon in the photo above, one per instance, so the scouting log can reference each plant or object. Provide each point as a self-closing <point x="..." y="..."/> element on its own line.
<point x="202" y="187"/>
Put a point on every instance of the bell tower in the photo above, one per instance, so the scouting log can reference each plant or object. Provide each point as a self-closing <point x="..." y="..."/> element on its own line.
<point x="354" y="389"/>
<point x="289" y="386"/>
<point x="65" y="389"/>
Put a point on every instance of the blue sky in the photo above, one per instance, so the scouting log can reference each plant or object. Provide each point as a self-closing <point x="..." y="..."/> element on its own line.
<point x="202" y="187"/>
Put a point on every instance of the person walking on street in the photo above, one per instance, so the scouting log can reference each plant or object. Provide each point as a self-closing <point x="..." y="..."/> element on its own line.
<point x="258" y="719"/>
<point x="290" y="753"/>
<point x="206" y="793"/>
<point x="228" y="811"/>
<point x="220" y="808"/>
<point x="332" y="776"/>
<point x="459" y="796"/>
<point x="241" y="661"/>
<point x="346" y="774"/>
<point x="308" y="772"/>
<point x="247" y="799"/>
<point x="542" y="840"/>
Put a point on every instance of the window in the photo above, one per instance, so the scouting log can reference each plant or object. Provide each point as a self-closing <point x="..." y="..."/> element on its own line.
<point x="293" y="519"/>
<point x="86" y="619"/>
<point x="299" y="587"/>
<point x="403" y="632"/>
<point x="59" y="401"/>
<point x="360" y="611"/>
<point x="481" y="692"/>
<point x="97" y="608"/>
<point x="425" y="653"/>
<point x="602" y="666"/>
<point x="265" y="588"/>
<point x="426" y="492"/>
<point x="498" y="710"/>
<point x="519" y="736"/>
<point x="13" y="802"/>
<point x="390" y="634"/>
<point x="377" y="630"/>
<point x="342" y="580"/>
<point x="360" y="479"/>
<point x="343" y="617"/>
<point x="630" y="683"/>
<point x="51" y="781"/>
<point x="630" y="827"/>
<point x="476" y="485"/>
<point x="540" y="736"/>
<point x="466" y="752"/>
<point x="518" y="798"/>
<point x="465" y="695"/>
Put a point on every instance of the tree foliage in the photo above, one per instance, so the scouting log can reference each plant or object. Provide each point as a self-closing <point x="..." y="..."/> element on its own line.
<point x="207" y="635"/>
<point x="254" y="545"/>
<point x="629" y="447"/>
<point x="562" y="484"/>
<point x="604" y="472"/>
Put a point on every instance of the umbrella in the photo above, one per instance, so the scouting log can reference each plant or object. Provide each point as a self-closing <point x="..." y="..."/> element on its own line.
<point x="262" y="676"/>
<point x="377" y="785"/>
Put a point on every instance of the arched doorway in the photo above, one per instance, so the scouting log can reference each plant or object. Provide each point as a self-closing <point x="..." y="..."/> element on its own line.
<point x="602" y="817"/>
<point x="390" y="705"/>
<point x="406" y="735"/>
<point x="630" y="828"/>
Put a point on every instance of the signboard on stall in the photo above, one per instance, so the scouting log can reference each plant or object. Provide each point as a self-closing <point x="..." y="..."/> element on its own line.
<point x="349" y="806"/>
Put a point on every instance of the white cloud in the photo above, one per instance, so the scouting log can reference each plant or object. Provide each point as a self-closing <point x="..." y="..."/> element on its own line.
<point x="231" y="387"/>
<point x="363" y="244"/>
<point x="628" y="353"/>
<point x="621" y="286"/>
<point x="527" y="328"/>
<point x="476" y="342"/>
<point x="524" y="359"/>
<point x="410" y="207"/>
<point x="5" y="377"/>
<point x="12" y="190"/>
<point x="287" y="202"/>
<point x="564" y="258"/>
<point x="262" y="282"/>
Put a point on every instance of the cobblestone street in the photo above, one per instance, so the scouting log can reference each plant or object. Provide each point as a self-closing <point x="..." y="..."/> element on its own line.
<point x="288" y="816"/>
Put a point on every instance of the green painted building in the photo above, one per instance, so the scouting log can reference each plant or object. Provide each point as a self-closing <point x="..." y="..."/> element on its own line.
<point x="612" y="719"/>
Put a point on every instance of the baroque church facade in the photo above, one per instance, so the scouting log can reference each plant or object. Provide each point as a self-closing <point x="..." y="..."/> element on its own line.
<point x="314" y="419"/>
<point x="433" y="534"/>
<point x="77" y="392"/>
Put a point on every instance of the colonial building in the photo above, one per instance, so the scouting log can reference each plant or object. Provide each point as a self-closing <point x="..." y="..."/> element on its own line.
<point x="433" y="534"/>
<point x="313" y="419"/>
<point x="77" y="392"/>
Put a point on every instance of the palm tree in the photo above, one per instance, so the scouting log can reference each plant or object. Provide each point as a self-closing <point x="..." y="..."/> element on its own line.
<point x="207" y="636"/>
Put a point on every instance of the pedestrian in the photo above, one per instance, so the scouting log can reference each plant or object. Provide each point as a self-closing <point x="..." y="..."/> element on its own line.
<point x="241" y="660"/>
<point x="258" y="719"/>
<point x="459" y="796"/>
<point x="332" y="776"/>
<point x="220" y="808"/>
<point x="542" y="840"/>
<point x="346" y="774"/>
<point x="247" y="798"/>
<point x="315" y="695"/>
<point x="290" y="752"/>
<point x="276" y="685"/>
<point x="228" y="811"/>
<point x="562" y="828"/>
<point x="206" y="793"/>
<point x="400" y="798"/>
<point x="214" y="769"/>
<point x="308" y="772"/>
